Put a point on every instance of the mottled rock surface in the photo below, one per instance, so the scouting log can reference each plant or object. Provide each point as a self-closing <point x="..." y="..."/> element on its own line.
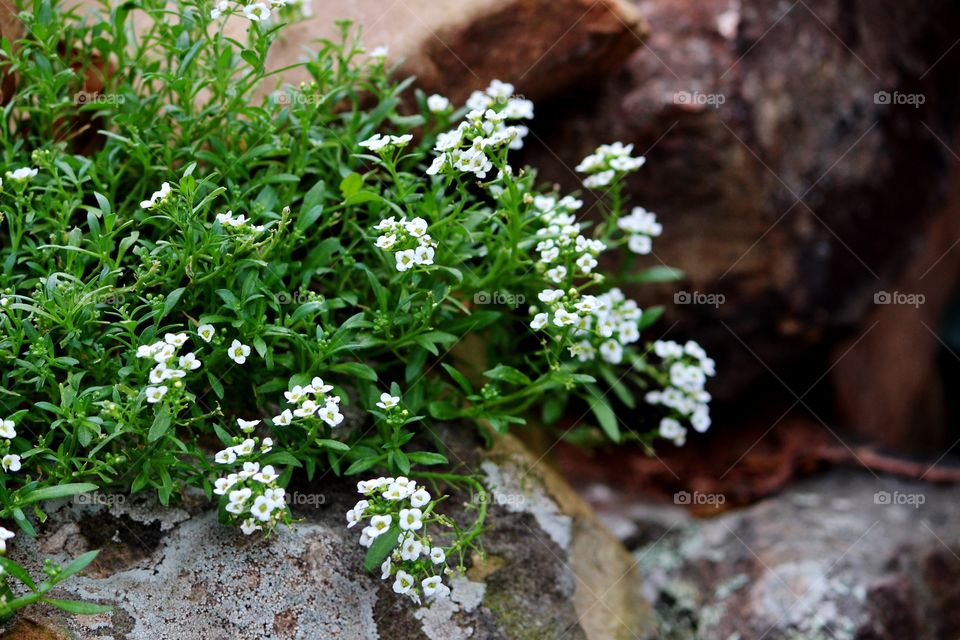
<point x="178" y="574"/>
<point x="844" y="556"/>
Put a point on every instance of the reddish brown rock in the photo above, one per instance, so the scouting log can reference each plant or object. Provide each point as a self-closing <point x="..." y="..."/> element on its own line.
<point x="782" y="181"/>
<point x="453" y="47"/>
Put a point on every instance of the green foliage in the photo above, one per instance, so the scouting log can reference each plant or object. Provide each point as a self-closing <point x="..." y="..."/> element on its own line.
<point x="264" y="229"/>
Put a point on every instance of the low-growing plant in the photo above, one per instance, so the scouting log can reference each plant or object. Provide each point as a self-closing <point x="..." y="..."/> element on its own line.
<point x="213" y="280"/>
<point x="10" y="602"/>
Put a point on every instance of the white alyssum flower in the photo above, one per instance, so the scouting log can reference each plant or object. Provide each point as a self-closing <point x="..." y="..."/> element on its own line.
<point x="256" y="12"/>
<point x="8" y="429"/>
<point x="158" y="197"/>
<point x="5" y="534"/>
<point x="155" y="394"/>
<point x="607" y="163"/>
<point x="247" y="426"/>
<point x="403" y="583"/>
<point x="251" y="495"/>
<point x="410" y="548"/>
<point x="220" y="9"/>
<point x="400" y="502"/>
<point x="420" y="498"/>
<point x="641" y="226"/>
<point x="22" y="174"/>
<point x="484" y="131"/>
<point x="382" y="143"/>
<point x="433" y="587"/>
<point x="222" y="485"/>
<point x="409" y="240"/>
<point x="330" y="413"/>
<point x="238" y="352"/>
<point x="388" y="401"/>
<point x="226" y="456"/>
<point x="411" y="519"/>
<point x="688" y="368"/>
<point x="11" y="462"/>
<point x="380" y="52"/>
<point x="437" y="103"/>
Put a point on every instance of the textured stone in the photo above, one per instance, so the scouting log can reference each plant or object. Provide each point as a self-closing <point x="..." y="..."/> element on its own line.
<point x="178" y="574"/>
<point x="845" y="556"/>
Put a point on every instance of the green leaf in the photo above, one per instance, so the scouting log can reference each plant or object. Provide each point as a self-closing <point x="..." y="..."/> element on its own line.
<point x="508" y="374"/>
<point x="171" y="301"/>
<point x="383" y="545"/>
<point x="458" y="377"/>
<point x="250" y="57"/>
<point x="350" y="185"/>
<point x="78" y="607"/>
<point x="336" y="445"/>
<point x="360" y="197"/>
<point x="362" y="465"/>
<point x="659" y="273"/>
<point x="427" y="458"/>
<point x="604" y="414"/>
<point x="58" y="491"/>
<point x="442" y="410"/>
<point x="76" y="565"/>
<point x="160" y="424"/>
<point x="356" y="369"/>
<point x="650" y="317"/>
<point x="17" y="572"/>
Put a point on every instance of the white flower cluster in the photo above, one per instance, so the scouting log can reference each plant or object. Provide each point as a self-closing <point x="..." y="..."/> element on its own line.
<point x="605" y="323"/>
<point x="642" y="227"/>
<point x="408" y="240"/>
<point x="8" y="431"/>
<point x="483" y="130"/>
<point x="157" y="197"/>
<point x="381" y="143"/>
<point x="564" y="252"/>
<point x="311" y="400"/>
<point x="170" y="367"/>
<point x="400" y="504"/>
<point x="258" y="11"/>
<point x="239" y="224"/>
<point x="251" y="495"/>
<point x="608" y="162"/>
<point x="688" y="367"/>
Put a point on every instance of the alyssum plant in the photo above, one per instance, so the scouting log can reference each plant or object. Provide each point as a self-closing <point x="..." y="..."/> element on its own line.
<point x="185" y="261"/>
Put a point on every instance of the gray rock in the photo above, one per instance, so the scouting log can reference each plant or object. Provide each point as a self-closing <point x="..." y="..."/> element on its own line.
<point x="845" y="556"/>
<point x="178" y="574"/>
